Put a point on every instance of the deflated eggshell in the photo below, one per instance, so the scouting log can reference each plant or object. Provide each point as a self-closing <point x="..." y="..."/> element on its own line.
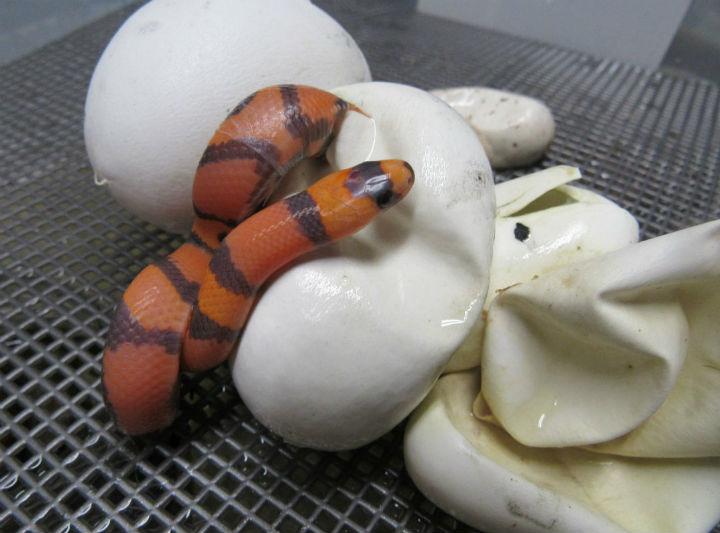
<point x="475" y="471"/>
<point x="343" y="344"/>
<point x="542" y="224"/>
<point x="175" y="69"/>
<point x="515" y="130"/>
<point x="622" y="346"/>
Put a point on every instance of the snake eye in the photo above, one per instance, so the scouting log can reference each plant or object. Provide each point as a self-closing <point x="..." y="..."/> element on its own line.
<point x="369" y="180"/>
<point x="379" y="188"/>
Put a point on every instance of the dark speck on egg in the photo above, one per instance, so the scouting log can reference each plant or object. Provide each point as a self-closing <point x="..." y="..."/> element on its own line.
<point x="522" y="232"/>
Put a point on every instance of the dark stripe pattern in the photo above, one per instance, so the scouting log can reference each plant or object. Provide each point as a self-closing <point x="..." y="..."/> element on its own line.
<point x="305" y="211"/>
<point x="199" y="213"/>
<point x="301" y="126"/>
<point x="267" y="168"/>
<point x="202" y="327"/>
<point x="124" y="329"/>
<point x="290" y="97"/>
<point x="263" y="151"/>
<point x="227" y="275"/>
<point x="242" y="105"/>
<point x="187" y="289"/>
<point x="199" y="242"/>
<point x="369" y="180"/>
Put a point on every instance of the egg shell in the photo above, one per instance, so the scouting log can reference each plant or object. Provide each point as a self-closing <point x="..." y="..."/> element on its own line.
<point x="621" y="346"/>
<point x="542" y="224"/>
<point x="174" y="70"/>
<point x="476" y="472"/>
<point x="343" y="344"/>
<point x="516" y="130"/>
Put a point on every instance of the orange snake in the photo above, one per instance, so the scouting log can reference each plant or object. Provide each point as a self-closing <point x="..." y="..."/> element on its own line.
<point x="187" y="310"/>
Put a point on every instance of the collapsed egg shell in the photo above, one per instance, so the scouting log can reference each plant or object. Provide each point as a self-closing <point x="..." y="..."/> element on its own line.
<point x="343" y="344"/>
<point x="475" y="471"/>
<point x="620" y="346"/>
<point x="542" y="224"/>
<point x="175" y="69"/>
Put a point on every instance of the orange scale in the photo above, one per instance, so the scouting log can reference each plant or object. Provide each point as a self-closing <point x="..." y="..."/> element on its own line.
<point x="219" y="303"/>
<point x="136" y="377"/>
<point x="225" y="188"/>
<point x="191" y="260"/>
<point x="204" y="354"/>
<point x="266" y="241"/>
<point x="154" y="302"/>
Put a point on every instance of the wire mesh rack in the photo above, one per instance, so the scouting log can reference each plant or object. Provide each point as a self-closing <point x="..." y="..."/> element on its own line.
<point x="648" y="140"/>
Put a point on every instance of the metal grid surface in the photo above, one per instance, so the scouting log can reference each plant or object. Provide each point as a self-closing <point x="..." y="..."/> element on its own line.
<point x="648" y="140"/>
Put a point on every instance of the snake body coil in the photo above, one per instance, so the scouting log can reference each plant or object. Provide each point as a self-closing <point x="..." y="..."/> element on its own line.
<point x="187" y="310"/>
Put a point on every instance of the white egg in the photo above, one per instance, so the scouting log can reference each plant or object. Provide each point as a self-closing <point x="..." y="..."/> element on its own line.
<point x="175" y="69"/>
<point x="515" y="130"/>
<point x="342" y="345"/>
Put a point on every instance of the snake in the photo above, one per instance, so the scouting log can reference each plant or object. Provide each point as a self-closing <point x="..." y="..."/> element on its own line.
<point x="186" y="311"/>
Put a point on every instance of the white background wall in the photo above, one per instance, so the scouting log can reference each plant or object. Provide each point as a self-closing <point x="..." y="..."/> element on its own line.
<point x="635" y="31"/>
